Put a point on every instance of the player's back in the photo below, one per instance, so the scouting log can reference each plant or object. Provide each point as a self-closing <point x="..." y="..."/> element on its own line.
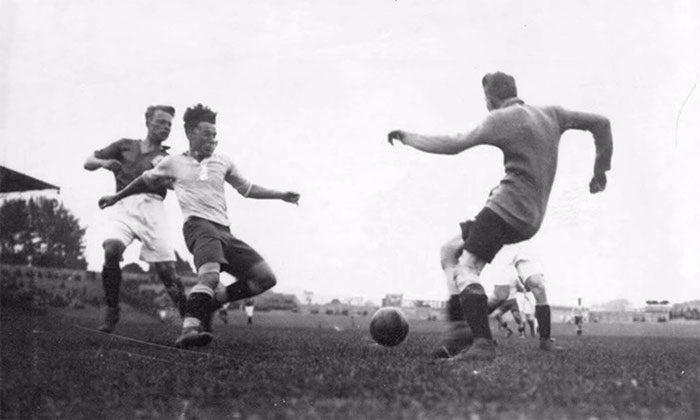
<point x="529" y="138"/>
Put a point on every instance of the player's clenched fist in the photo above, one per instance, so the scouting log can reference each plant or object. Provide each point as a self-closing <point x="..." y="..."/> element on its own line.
<point x="396" y="135"/>
<point x="106" y="201"/>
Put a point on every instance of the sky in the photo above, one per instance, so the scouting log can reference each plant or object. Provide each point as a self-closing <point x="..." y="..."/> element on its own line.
<point x="306" y="92"/>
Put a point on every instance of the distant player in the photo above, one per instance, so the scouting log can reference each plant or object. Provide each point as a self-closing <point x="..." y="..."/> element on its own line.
<point x="504" y="301"/>
<point x="578" y="312"/>
<point x="223" y="312"/>
<point x="198" y="178"/>
<point x="140" y="216"/>
<point x="249" y="308"/>
<point x="529" y="138"/>
<point x="527" y="308"/>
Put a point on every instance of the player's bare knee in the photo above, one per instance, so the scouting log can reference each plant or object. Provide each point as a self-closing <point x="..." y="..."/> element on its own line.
<point x="536" y="285"/>
<point x="113" y="252"/>
<point x="450" y="252"/>
<point x="261" y="277"/>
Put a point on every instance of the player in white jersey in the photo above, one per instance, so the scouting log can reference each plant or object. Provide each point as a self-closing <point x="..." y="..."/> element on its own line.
<point x="504" y="300"/>
<point x="198" y="178"/>
<point x="527" y="309"/>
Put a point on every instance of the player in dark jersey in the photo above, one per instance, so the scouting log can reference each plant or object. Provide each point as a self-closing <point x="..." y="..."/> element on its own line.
<point x="529" y="138"/>
<point x="141" y="216"/>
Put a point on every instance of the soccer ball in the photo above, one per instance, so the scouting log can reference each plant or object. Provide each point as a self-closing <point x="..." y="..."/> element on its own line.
<point x="388" y="326"/>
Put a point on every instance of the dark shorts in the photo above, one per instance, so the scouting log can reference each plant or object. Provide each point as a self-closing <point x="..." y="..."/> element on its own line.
<point x="578" y="319"/>
<point x="487" y="234"/>
<point x="211" y="242"/>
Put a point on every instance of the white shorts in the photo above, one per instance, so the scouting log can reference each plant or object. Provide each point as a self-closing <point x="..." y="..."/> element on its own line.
<point x="528" y="255"/>
<point x="142" y="217"/>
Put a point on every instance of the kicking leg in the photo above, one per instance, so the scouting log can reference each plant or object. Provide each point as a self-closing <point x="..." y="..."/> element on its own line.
<point x="198" y="308"/>
<point x="457" y="335"/>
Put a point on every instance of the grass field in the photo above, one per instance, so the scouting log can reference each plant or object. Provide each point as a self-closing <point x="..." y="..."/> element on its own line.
<point x="316" y="366"/>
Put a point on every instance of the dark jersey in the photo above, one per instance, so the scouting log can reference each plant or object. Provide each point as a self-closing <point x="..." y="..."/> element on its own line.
<point x="133" y="161"/>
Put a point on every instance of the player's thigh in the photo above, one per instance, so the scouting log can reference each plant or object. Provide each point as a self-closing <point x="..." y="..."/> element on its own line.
<point x="244" y="262"/>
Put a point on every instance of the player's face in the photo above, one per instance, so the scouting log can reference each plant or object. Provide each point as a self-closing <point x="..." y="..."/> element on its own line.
<point x="159" y="125"/>
<point x="203" y="139"/>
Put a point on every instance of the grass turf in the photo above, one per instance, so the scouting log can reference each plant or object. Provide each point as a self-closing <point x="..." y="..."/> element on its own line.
<point x="315" y="366"/>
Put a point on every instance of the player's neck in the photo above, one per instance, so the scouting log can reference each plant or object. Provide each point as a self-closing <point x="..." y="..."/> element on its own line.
<point x="151" y="144"/>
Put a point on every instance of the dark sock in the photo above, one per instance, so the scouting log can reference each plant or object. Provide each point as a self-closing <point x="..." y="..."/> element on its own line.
<point x="173" y="286"/>
<point x="504" y="325"/>
<point x="454" y="309"/>
<point x="198" y="305"/>
<point x="531" y="323"/>
<point x="544" y="318"/>
<point x="521" y="328"/>
<point x="111" y="281"/>
<point x="475" y="310"/>
<point x="239" y="290"/>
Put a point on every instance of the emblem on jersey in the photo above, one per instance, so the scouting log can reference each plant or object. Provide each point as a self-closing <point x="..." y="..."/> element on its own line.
<point x="203" y="173"/>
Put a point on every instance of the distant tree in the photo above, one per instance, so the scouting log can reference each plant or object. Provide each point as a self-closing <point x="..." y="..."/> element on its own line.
<point x="182" y="267"/>
<point x="41" y="232"/>
<point x="335" y="301"/>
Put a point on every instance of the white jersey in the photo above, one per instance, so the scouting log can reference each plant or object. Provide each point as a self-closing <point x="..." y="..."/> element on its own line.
<point x="199" y="186"/>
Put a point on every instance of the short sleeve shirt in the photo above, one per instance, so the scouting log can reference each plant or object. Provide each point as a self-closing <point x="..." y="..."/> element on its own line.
<point x="199" y="186"/>
<point x="133" y="162"/>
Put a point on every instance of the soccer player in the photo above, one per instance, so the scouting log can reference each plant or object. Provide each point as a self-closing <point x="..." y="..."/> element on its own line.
<point x="529" y="138"/>
<point x="198" y="178"/>
<point x="140" y="216"/>
<point x="578" y="312"/>
<point x="504" y="301"/>
<point x="528" y="309"/>
<point x="249" y="308"/>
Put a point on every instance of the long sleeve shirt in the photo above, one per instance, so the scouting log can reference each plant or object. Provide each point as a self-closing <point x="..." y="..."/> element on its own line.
<point x="529" y="138"/>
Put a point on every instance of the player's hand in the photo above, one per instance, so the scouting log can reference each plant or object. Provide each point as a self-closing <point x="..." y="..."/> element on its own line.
<point x="291" y="197"/>
<point x="111" y="164"/>
<point x="106" y="201"/>
<point x="597" y="183"/>
<point x="399" y="135"/>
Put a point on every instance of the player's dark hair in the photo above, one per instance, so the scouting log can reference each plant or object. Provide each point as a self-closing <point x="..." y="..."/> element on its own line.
<point x="197" y="114"/>
<point x="153" y="108"/>
<point x="499" y="85"/>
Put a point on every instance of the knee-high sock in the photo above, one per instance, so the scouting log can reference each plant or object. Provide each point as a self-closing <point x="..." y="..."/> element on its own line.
<point x="199" y="302"/>
<point x="475" y="309"/>
<point x="111" y="281"/>
<point x="544" y="319"/>
<point x="454" y="309"/>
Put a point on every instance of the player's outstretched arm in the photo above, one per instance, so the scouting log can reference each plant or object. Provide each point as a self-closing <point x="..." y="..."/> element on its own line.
<point x="136" y="186"/>
<point x="93" y="163"/>
<point x="599" y="126"/>
<point x="443" y="145"/>
<point x="258" y="192"/>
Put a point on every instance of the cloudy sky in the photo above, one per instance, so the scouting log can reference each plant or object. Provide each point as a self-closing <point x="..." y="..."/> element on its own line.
<point x="306" y="92"/>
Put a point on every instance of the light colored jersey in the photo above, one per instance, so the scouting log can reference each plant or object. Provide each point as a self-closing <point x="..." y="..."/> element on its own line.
<point x="578" y="311"/>
<point x="249" y="310"/>
<point x="199" y="186"/>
